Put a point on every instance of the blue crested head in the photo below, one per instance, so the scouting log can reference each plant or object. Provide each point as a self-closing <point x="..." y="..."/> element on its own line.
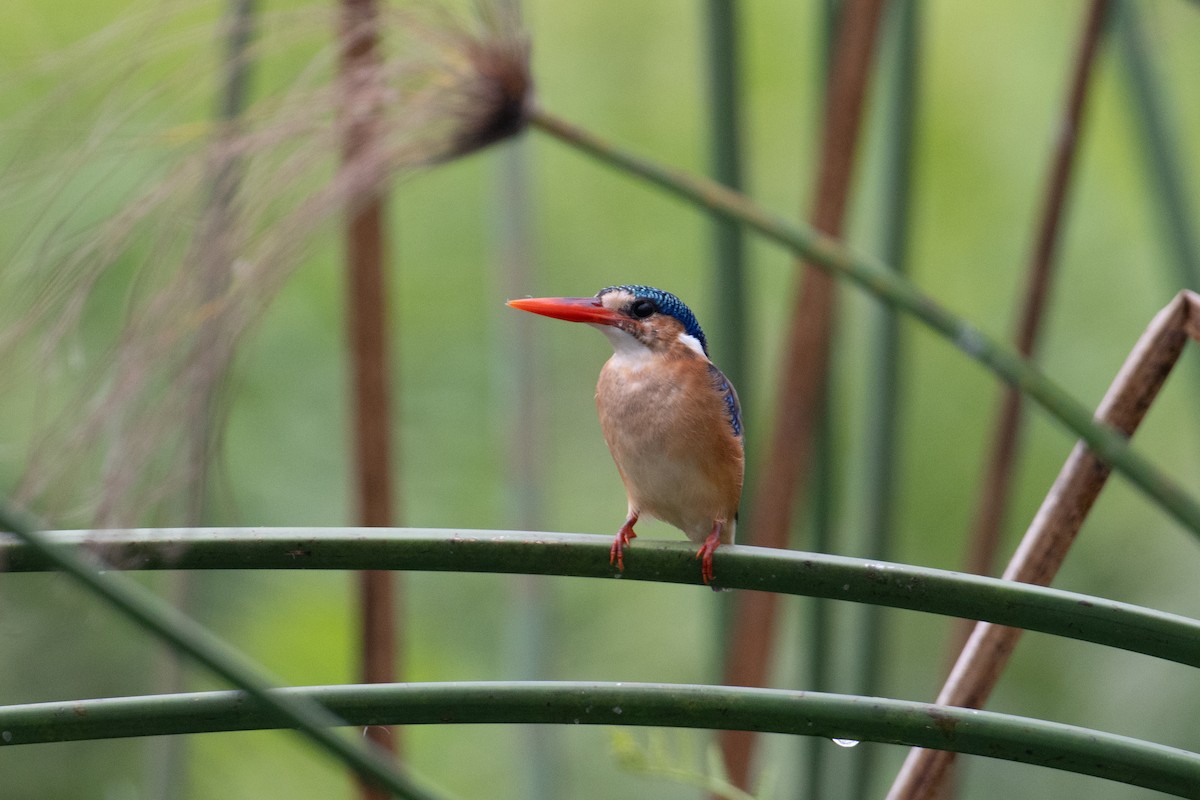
<point x="662" y="302"/>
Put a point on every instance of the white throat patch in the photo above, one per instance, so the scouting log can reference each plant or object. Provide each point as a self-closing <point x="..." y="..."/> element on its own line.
<point x="628" y="350"/>
<point x="692" y="342"/>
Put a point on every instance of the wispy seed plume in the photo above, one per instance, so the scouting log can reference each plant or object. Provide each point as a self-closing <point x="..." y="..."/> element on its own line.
<point x="125" y="291"/>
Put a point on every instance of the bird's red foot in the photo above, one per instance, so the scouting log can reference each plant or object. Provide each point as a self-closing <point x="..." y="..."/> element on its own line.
<point x="705" y="553"/>
<point x="622" y="540"/>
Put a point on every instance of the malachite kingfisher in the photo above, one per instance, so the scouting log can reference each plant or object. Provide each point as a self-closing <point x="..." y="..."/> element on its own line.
<point x="671" y="418"/>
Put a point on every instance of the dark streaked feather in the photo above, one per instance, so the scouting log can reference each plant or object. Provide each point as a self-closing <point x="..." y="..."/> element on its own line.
<point x="732" y="407"/>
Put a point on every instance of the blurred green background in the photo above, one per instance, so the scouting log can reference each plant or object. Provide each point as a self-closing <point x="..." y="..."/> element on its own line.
<point x="993" y="78"/>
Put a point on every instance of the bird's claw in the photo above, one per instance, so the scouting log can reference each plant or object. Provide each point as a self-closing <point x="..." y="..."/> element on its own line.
<point x="705" y="554"/>
<point x="616" y="553"/>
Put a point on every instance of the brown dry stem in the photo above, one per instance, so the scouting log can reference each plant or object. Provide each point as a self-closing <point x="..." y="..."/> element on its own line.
<point x="366" y="260"/>
<point x="1045" y="544"/>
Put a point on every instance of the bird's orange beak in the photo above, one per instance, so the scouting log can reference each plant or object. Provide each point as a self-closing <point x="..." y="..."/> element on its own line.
<point x="572" y="309"/>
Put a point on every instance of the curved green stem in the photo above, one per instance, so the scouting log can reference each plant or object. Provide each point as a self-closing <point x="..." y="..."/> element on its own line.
<point x="185" y="635"/>
<point x="899" y="292"/>
<point x="985" y="733"/>
<point x="1019" y="605"/>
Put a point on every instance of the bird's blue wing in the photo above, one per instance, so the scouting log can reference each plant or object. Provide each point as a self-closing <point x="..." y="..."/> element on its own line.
<point x="733" y="408"/>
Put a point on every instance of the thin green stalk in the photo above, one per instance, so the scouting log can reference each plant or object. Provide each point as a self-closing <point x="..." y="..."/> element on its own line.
<point x="1011" y="603"/>
<point x="147" y="611"/>
<point x="1161" y="146"/>
<point x="831" y="19"/>
<point x="729" y="278"/>
<point x="986" y="733"/>
<point x="901" y="98"/>
<point x="899" y="292"/>
<point x="529" y="643"/>
<point x="819" y="635"/>
<point x="728" y="236"/>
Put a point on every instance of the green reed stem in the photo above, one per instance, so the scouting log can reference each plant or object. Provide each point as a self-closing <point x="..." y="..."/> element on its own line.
<point x="986" y="733"/>
<point x="1038" y="608"/>
<point x="899" y="292"/>
<point x="147" y="611"/>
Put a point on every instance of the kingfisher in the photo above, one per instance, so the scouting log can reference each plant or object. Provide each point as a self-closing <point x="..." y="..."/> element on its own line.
<point x="671" y="418"/>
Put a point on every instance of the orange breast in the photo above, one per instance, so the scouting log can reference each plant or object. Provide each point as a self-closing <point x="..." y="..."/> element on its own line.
<point x="669" y="434"/>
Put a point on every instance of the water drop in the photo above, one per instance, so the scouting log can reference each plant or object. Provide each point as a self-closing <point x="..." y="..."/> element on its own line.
<point x="383" y="729"/>
<point x="6" y="736"/>
<point x="846" y="742"/>
<point x="617" y="710"/>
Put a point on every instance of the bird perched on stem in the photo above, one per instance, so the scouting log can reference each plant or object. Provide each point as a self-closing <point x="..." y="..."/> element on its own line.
<point x="670" y="417"/>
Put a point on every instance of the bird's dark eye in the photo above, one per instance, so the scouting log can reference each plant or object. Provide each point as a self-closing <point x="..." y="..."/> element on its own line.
<point x="642" y="308"/>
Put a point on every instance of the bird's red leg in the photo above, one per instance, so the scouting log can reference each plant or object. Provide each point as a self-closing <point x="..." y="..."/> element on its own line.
<point x="705" y="553"/>
<point x="624" y="536"/>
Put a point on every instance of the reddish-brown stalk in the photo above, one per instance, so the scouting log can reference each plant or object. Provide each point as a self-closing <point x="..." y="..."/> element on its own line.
<point x="366" y="260"/>
<point x="996" y="487"/>
<point x="1045" y="544"/>
<point x="995" y="490"/>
